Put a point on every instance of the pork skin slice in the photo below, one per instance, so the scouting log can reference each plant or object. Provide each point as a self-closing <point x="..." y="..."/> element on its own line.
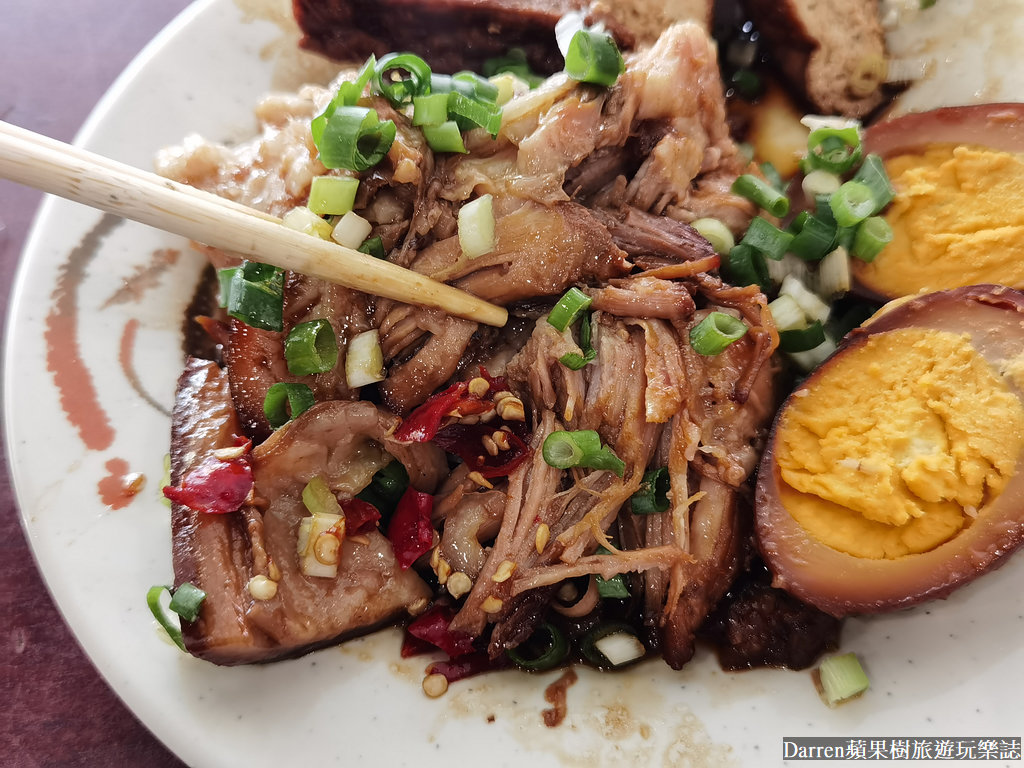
<point x="345" y="443"/>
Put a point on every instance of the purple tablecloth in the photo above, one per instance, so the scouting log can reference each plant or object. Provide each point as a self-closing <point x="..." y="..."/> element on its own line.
<point x="56" y="60"/>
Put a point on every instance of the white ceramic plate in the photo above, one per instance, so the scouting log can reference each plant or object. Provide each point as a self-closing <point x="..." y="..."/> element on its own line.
<point x="954" y="668"/>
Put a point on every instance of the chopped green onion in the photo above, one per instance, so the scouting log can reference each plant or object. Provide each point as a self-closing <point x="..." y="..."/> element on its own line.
<point x="614" y="588"/>
<point x="593" y="57"/>
<point x="431" y="109"/>
<point x="301" y="219"/>
<point x="852" y="203"/>
<point x="348" y="95"/>
<point x="351" y="230"/>
<point x="762" y="194"/>
<point x="332" y="195"/>
<point x="716" y="233"/>
<point x="476" y="227"/>
<point x="771" y="173"/>
<point x="311" y="347"/>
<point x="580" y="448"/>
<point x="786" y="313"/>
<point x="545" y="649"/>
<point x="364" y="360"/>
<point x="872" y="173"/>
<point x="798" y="222"/>
<point x="802" y="339"/>
<point x="813" y="307"/>
<point x="399" y="91"/>
<point x="766" y="238"/>
<point x="514" y="62"/>
<point x="815" y="239"/>
<point x="611" y="646"/>
<point x="285" y="402"/>
<point x="651" y="498"/>
<point x="224" y="277"/>
<point x="256" y="295"/>
<point x="319" y="499"/>
<point x="479" y="88"/>
<point x="873" y="234"/>
<point x="818" y="183"/>
<point x="507" y="85"/>
<point x="574" y="361"/>
<point x="716" y="332"/>
<point x="836" y="150"/>
<point x="373" y="246"/>
<point x="386" y="488"/>
<point x="572" y="304"/>
<point x="445" y="137"/>
<point x="926" y="4"/>
<point x="355" y="139"/>
<point x="746" y="266"/>
<point x="812" y="358"/>
<point x="842" y="677"/>
<point x="469" y="113"/>
<point x="185" y="602"/>
<point x="834" y="274"/>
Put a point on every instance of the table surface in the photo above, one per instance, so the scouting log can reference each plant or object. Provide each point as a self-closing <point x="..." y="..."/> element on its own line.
<point x="56" y="59"/>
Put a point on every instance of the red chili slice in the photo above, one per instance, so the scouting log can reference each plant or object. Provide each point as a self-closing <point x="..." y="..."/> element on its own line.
<point x="466" y="442"/>
<point x="430" y="631"/>
<point x="215" y="487"/>
<point x="466" y="666"/>
<point x="360" y="516"/>
<point x="410" y="531"/>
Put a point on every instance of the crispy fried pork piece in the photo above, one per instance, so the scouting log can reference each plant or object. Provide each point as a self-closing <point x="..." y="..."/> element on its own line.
<point x="342" y="442"/>
<point x="832" y="50"/>
<point x="451" y="35"/>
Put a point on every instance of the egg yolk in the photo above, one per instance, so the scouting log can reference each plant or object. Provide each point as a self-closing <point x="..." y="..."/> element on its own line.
<point x="899" y="444"/>
<point x="957" y="219"/>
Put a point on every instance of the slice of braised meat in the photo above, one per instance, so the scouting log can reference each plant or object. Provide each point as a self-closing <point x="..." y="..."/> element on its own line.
<point x="342" y="442"/>
<point x="450" y="34"/>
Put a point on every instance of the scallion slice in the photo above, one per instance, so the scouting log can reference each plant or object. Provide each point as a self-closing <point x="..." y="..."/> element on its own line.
<point x="354" y="138"/>
<point x="285" y="401"/>
<point x="762" y="194"/>
<point x="852" y="203"/>
<point x="445" y="137"/>
<point x="430" y="109"/>
<point x="469" y="112"/>
<point x="872" y="173"/>
<point x="651" y="498"/>
<point x="612" y="646"/>
<point x="224" y="277"/>
<point x="786" y="313"/>
<point x="398" y="88"/>
<point x="311" y="347"/>
<point x="348" y="95"/>
<point x="842" y="677"/>
<point x="766" y="238"/>
<point x="514" y="62"/>
<point x="715" y="332"/>
<point x="332" y="195"/>
<point x="614" y="588"/>
<point x="373" y="246"/>
<point x="476" y="227"/>
<point x="580" y="448"/>
<point x="836" y="150"/>
<point x="802" y="339"/>
<point x="256" y="295"/>
<point x="572" y="304"/>
<point x="816" y="238"/>
<point x="319" y="499"/>
<point x="746" y="266"/>
<point x="873" y="234"/>
<point x="545" y="649"/>
<point x="716" y="233"/>
<point x="364" y="359"/>
<point x="185" y="602"/>
<point x="574" y="361"/>
<point x="593" y="57"/>
<point x="351" y="230"/>
<point x="301" y="219"/>
<point x="480" y="88"/>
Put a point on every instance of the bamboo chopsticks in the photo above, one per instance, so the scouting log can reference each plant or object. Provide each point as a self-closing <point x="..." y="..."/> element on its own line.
<point x="76" y="174"/>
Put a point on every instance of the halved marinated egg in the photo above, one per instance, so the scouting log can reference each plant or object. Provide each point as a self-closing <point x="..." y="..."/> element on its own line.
<point x="893" y="473"/>
<point x="958" y="213"/>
